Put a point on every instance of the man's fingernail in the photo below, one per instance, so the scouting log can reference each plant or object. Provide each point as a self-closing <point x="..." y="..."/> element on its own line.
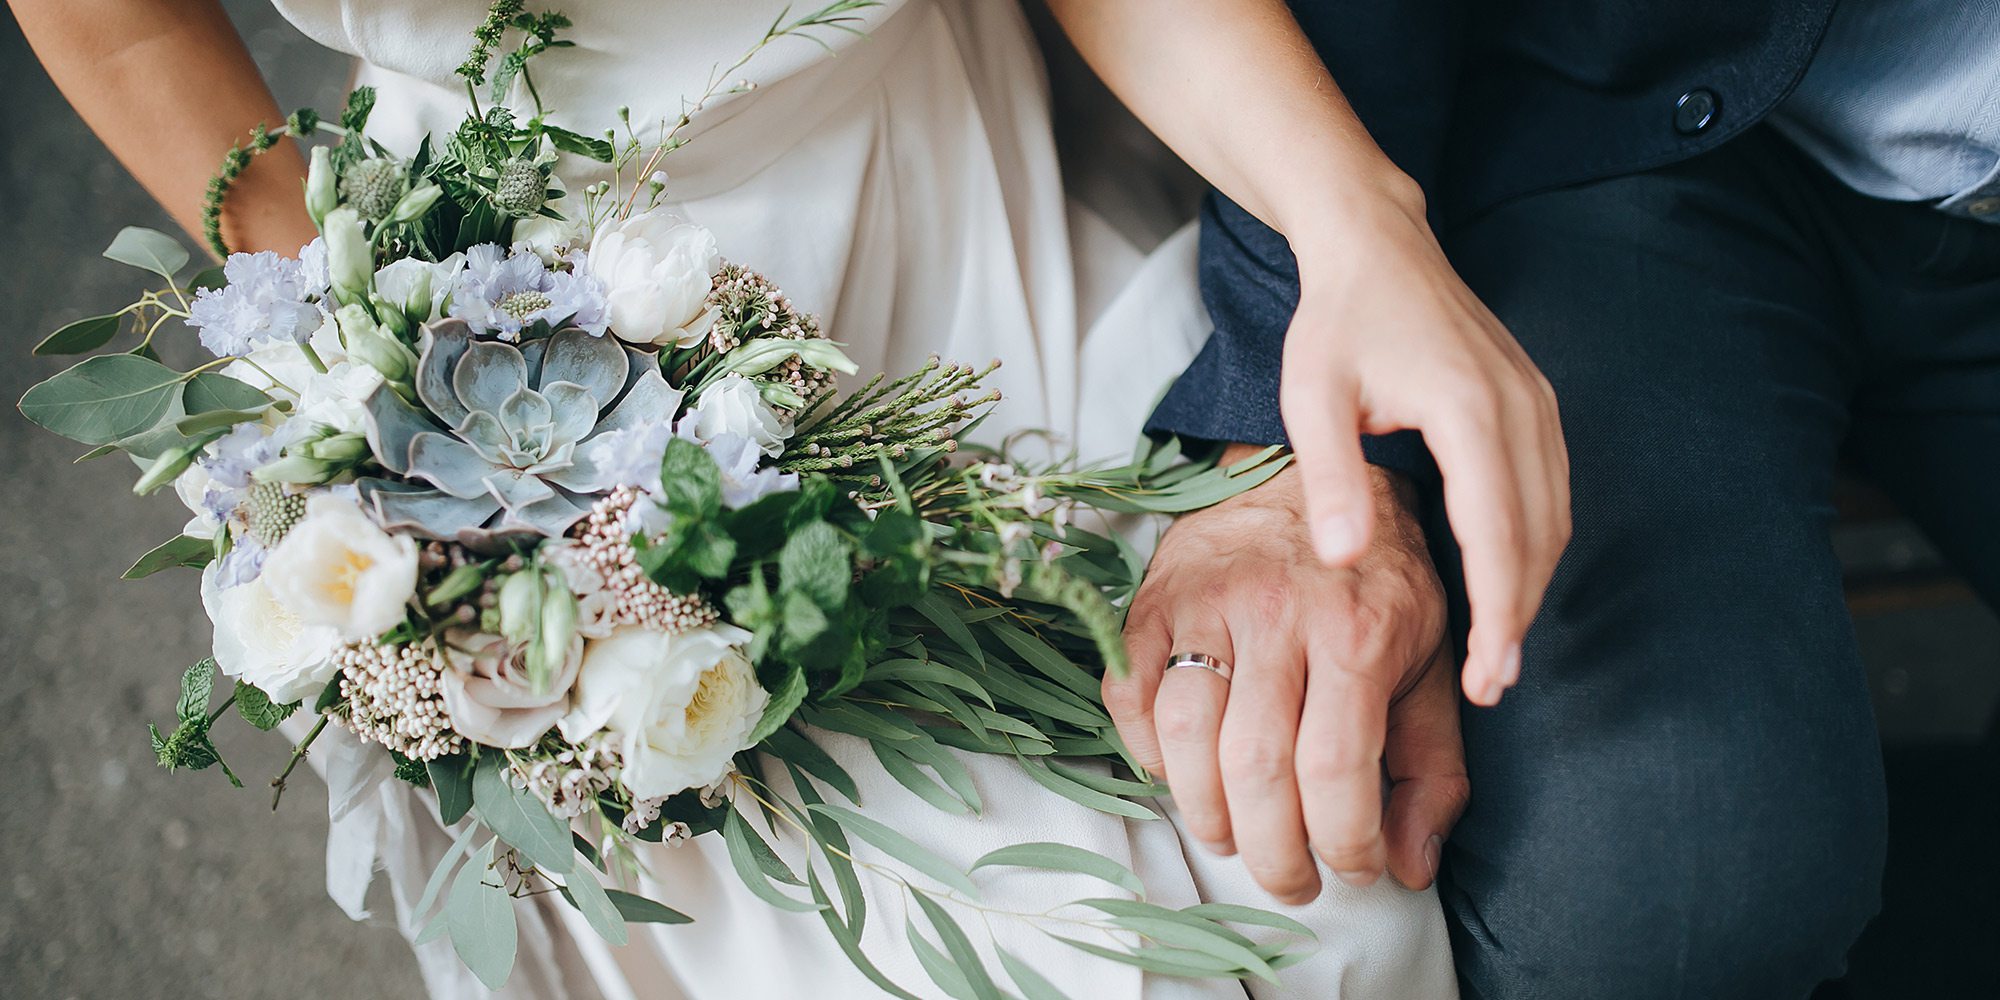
<point x="1221" y="848"/>
<point x="1359" y="879"/>
<point x="1433" y="849"/>
<point x="1510" y="666"/>
<point x="1337" y="538"/>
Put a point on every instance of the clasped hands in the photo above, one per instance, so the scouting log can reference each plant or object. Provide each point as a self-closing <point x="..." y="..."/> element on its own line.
<point x="1318" y="589"/>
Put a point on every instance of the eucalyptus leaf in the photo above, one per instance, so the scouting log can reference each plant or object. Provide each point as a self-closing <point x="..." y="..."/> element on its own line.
<point x="900" y="847"/>
<point x="208" y="277"/>
<point x="834" y="848"/>
<point x="1063" y="858"/>
<point x="103" y="399"/>
<point x="791" y="747"/>
<point x="480" y="917"/>
<point x="1030" y="982"/>
<point x="81" y="337"/>
<point x="442" y="873"/>
<point x="850" y="941"/>
<point x="148" y="249"/>
<point x="518" y="817"/>
<point x="960" y="948"/>
<point x="209" y="392"/>
<point x="747" y="860"/>
<point x="1083" y="794"/>
<point x="907" y="774"/>
<point x="1250" y="915"/>
<point x="584" y="892"/>
<point x="638" y="909"/>
<point x="181" y="550"/>
<point x="945" y="616"/>
<point x="942" y="970"/>
<point x="451" y="781"/>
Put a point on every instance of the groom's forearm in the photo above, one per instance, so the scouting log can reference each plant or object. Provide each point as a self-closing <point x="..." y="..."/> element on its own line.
<point x="169" y="87"/>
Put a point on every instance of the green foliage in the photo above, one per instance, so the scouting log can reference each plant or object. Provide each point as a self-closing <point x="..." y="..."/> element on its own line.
<point x="80" y="337"/>
<point x="257" y="709"/>
<point x="452" y="778"/>
<point x="148" y="249"/>
<point x="188" y="745"/>
<point x="181" y="550"/>
<point x="695" y="546"/>
<point x="519" y="817"/>
<point x="480" y="917"/>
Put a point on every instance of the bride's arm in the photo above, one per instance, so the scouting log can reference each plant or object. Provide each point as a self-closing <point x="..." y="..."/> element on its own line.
<point x="169" y="87"/>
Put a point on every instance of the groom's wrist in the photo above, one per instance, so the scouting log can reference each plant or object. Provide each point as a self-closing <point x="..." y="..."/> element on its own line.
<point x="1387" y="485"/>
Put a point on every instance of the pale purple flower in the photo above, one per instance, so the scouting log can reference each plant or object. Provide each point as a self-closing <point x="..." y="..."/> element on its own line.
<point x="264" y="303"/>
<point x="631" y="456"/>
<point x="745" y="479"/>
<point x="313" y="275"/>
<point x="503" y="292"/>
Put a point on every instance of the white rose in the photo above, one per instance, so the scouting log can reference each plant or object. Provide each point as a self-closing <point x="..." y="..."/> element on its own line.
<point x="550" y="238"/>
<point x="735" y="406"/>
<point x="260" y="642"/>
<point x="680" y="705"/>
<point x="416" y="286"/>
<point x="656" y="275"/>
<point x="191" y="486"/>
<point x="336" y="568"/>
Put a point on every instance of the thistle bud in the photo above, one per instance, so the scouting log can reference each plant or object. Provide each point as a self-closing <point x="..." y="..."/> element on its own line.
<point x="373" y="187"/>
<point x="521" y="189"/>
<point x="350" y="260"/>
<point x="322" y="188"/>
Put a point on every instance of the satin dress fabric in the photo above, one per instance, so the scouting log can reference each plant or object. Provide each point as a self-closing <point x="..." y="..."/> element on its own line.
<point x="903" y="183"/>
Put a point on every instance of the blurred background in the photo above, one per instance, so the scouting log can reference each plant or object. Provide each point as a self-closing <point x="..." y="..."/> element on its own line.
<point x="121" y="880"/>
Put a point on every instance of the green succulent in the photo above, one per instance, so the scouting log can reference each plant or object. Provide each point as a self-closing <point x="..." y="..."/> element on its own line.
<point x="501" y="453"/>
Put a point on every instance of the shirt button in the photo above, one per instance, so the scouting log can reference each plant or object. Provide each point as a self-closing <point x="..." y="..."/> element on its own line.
<point x="1984" y="206"/>
<point x="1696" y="111"/>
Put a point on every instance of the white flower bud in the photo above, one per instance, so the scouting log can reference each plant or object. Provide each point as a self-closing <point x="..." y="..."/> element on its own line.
<point x="322" y="188"/>
<point x="350" y="260"/>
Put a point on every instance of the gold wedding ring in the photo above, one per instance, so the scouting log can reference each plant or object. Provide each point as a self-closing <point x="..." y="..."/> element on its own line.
<point x="1202" y="661"/>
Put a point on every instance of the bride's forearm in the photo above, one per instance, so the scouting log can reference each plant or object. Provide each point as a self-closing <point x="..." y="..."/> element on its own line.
<point x="1234" y="87"/>
<point x="168" y="86"/>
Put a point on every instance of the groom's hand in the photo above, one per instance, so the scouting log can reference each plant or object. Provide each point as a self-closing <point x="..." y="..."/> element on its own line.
<point x="1338" y="672"/>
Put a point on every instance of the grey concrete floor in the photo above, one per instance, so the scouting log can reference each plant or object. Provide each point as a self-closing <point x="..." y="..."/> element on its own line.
<point x="125" y="881"/>
<point x="122" y="880"/>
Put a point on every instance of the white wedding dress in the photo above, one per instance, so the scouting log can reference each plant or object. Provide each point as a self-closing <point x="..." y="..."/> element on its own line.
<point x="904" y="185"/>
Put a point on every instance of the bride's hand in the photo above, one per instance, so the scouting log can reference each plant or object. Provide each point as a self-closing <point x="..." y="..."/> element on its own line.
<point x="1386" y="337"/>
<point x="1337" y="672"/>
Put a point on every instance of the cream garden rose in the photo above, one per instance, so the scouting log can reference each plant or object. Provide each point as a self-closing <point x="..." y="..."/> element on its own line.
<point x="337" y="568"/>
<point x="261" y="642"/>
<point x="679" y="705"/>
<point x="656" y="273"/>
<point x="734" y="405"/>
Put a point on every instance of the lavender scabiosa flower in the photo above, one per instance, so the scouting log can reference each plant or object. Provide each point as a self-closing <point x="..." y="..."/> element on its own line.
<point x="263" y="304"/>
<point x="505" y="292"/>
<point x="745" y="479"/>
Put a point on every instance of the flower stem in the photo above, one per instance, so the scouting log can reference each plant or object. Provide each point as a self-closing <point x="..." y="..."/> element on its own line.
<point x="298" y="754"/>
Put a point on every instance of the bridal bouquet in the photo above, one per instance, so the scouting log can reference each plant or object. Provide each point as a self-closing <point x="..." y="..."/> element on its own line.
<point x="562" y="509"/>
